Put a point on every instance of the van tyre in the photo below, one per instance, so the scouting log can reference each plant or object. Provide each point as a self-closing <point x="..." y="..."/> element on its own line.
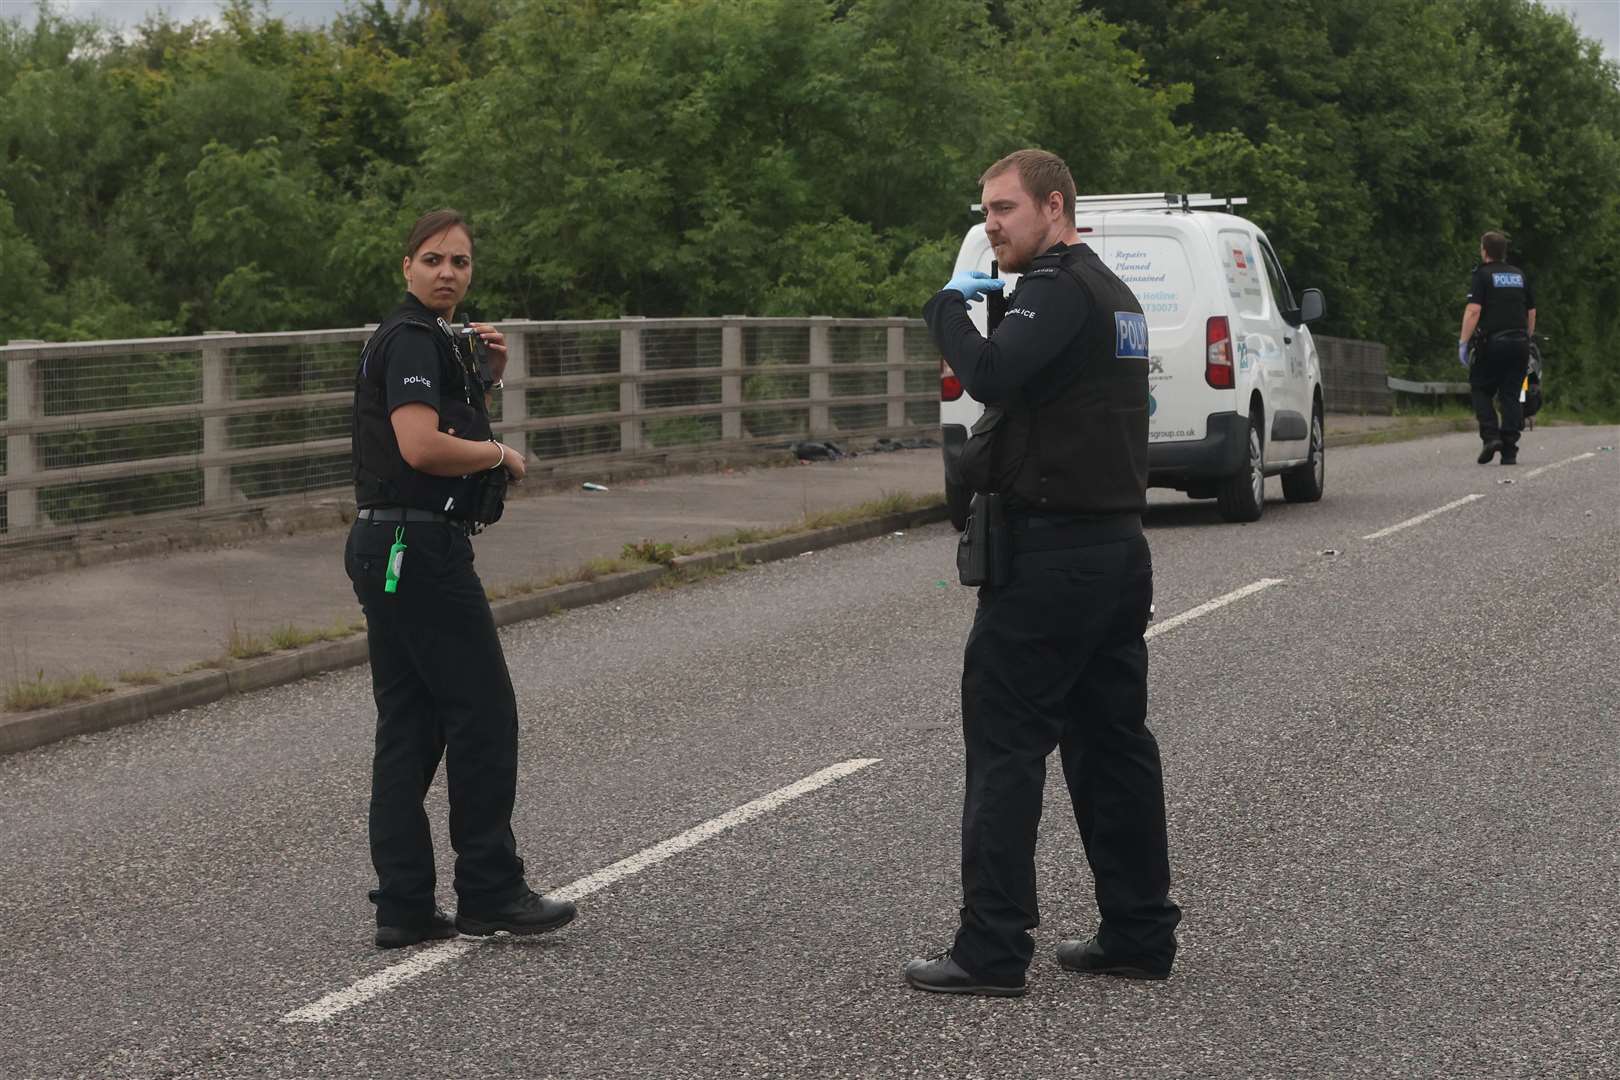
<point x="1304" y="484"/>
<point x="1242" y="496"/>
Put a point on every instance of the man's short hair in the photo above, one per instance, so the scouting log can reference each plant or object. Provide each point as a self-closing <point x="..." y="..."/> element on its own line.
<point x="1495" y="245"/>
<point x="1041" y="172"/>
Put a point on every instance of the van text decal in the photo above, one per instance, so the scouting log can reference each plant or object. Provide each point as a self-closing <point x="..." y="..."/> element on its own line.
<point x="1130" y="335"/>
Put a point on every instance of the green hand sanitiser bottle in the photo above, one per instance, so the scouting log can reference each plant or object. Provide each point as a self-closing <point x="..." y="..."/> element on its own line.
<point x="396" y="561"/>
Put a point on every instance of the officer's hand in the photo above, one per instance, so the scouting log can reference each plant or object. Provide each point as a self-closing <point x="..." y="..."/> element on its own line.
<point x="515" y="463"/>
<point x="973" y="284"/>
<point x="495" y="342"/>
<point x="1462" y="353"/>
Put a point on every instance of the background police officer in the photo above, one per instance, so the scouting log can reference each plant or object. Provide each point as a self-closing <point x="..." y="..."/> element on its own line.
<point x="1502" y="309"/>
<point x="421" y="448"/>
<point x="1056" y="657"/>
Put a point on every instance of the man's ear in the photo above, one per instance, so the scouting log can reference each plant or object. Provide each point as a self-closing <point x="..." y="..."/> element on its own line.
<point x="1054" y="204"/>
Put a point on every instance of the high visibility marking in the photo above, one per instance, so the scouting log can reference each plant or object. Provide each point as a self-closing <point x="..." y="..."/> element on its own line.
<point x="1559" y="464"/>
<point x="1212" y="605"/>
<point x="425" y="960"/>
<point x="1409" y="522"/>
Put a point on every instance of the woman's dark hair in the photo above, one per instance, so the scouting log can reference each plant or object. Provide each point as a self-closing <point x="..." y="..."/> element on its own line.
<point x="433" y="223"/>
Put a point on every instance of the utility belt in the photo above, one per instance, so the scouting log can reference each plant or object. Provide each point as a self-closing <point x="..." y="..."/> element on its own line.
<point x="402" y="515"/>
<point x="994" y="534"/>
<point x="1509" y="335"/>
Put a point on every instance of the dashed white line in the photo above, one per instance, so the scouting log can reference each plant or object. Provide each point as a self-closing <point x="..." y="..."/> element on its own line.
<point x="1559" y="464"/>
<point x="1205" y="608"/>
<point x="431" y="957"/>
<point x="1409" y="522"/>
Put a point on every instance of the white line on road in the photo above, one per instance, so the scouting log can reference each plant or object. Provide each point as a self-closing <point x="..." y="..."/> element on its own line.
<point x="1559" y="464"/>
<point x="1204" y="609"/>
<point x="1421" y="518"/>
<point x="431" y="957"/>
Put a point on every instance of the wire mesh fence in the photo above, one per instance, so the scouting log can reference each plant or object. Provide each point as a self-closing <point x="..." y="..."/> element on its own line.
<point x="98" y="433"/>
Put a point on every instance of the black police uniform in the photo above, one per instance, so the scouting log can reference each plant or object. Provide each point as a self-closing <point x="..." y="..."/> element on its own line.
<point x="1502" y="351"/>
<point x="437" y="671"/>
<point x="1056" y="656"/>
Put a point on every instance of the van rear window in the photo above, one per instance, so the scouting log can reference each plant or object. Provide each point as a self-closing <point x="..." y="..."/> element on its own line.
<point x="1156" y="269"/>
<point x="1242" y="265"/>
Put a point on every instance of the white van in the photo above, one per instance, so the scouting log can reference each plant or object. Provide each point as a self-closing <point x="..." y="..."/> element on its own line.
<point x="1235" y="386"/>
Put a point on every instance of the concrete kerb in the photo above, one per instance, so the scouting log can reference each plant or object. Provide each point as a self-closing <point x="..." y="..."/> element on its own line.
<point x="1420" y="429"/>
<point x="25" y="731"/>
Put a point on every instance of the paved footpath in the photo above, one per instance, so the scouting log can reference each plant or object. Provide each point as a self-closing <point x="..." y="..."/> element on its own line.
<point x="169" y="612"/>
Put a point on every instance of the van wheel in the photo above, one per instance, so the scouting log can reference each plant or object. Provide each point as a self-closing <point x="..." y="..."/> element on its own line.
<point x="1304" y="484"/>
<point x="1242" y="496"/>
<point x="957" y="498"/>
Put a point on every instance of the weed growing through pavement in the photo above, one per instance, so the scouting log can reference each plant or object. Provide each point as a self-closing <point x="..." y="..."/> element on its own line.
<point x="42" y="693"/>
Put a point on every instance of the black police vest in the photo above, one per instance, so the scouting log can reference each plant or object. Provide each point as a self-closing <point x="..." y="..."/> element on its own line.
<point x="381" y="476"/>
<point x="1076" y="441"/>
<point x="1505" y="305"/>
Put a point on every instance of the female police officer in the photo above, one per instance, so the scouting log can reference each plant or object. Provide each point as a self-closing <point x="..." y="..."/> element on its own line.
<point x="421" y="452"/>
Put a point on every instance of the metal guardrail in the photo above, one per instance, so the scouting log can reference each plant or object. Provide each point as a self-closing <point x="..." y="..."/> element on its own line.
<point x="109" y="430"/>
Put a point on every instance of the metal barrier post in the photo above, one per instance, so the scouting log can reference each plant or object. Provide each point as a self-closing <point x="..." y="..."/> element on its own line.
<point x="515" y="401"/>
<point x="22" y="403"/>
<point x="631" y="364"/>
<point x="731" y="383"/>
<point x="217" y="390"/>
<point x="896" y="359"/>
<point x="820" y="374"/>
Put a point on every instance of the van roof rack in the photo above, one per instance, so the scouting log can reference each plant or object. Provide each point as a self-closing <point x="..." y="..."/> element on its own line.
<point x="1159" y="200"/>
<point x="1150" y="200"/>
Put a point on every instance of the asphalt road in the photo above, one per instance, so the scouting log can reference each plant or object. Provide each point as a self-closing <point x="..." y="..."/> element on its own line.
<point x="1393" y="779"/>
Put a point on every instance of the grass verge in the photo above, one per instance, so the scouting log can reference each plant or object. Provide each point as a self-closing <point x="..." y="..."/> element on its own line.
<point x="42" y="693"/>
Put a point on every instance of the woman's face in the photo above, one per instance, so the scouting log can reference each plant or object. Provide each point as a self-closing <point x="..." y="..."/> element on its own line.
<point x="441" y="270"/>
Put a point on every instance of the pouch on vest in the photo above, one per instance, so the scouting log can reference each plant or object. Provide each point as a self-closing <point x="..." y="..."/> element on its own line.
<point x="984" y="550"/>
<point x="988" y="459"/>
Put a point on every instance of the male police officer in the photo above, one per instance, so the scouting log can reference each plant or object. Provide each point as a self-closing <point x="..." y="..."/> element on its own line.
<point x="1502" y="307"/>
<point x="1056" y="657"/>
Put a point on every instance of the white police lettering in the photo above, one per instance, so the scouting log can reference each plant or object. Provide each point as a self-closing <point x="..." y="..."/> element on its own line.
<point x="1024" y="311"/>
<point x="1130" y="335"/>
<point x="422" y="379"/>
<point x="1503" y="279"/>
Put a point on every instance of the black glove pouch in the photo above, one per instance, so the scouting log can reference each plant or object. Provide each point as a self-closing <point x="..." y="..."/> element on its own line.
<point x="490" y="497"/>
<point x="984" y="551"/>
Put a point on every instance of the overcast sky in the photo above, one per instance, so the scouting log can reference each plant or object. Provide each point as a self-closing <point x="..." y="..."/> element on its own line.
<point x="1597" y="19"/>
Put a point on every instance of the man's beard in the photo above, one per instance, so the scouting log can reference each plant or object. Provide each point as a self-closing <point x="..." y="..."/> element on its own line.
<point x="1013" y="259"/>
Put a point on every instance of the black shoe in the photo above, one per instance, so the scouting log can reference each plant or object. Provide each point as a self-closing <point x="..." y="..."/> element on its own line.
<point x="942" y="975"/>
<point x="437" y="928"/>
<point x="1509" y="456"/>
<point x="1489" y="451"/>
<point x="530" y="913"/>
<point x="1087" y="958"/>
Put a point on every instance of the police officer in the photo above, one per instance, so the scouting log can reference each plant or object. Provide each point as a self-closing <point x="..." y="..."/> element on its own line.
<point x="1497" y="322"/>
<point x="423" y="460"/>
<point x="1056" y="656"/>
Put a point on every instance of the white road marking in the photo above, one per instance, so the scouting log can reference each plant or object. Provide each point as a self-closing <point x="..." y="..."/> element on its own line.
<point x="1409" y="522"/>
<point x="1559" y="464"/>
<point x="1204" y="609"/>
<point x="425" y="960"/>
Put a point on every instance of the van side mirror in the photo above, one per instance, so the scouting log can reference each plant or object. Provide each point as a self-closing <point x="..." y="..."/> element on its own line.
<point x="1311" y="305"/>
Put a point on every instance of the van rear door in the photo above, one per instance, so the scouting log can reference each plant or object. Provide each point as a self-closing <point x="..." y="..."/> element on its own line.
<point x="1151" y="257"/>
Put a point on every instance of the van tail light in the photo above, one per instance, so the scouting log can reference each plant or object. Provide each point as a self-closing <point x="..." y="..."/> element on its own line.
<point x="1218" y="354"/>
<point x="950" y="387"/>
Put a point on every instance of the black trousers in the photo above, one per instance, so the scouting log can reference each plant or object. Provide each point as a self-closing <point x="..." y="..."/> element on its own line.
<point x="1499" y="374"/>
<point x="1056" y="659"/>
<point x="442" y="691"/>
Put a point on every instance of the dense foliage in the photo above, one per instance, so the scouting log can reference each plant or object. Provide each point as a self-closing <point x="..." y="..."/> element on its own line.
<point x="792" y="156"/>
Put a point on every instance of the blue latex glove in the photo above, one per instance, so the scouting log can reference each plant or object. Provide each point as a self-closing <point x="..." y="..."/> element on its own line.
<point x="1462" y="353"/>
<point x="973" y="284"/>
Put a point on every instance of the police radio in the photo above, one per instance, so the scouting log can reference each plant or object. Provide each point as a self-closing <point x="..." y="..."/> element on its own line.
<point x="995" y="304"/>
<point x="480" y="354"/>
